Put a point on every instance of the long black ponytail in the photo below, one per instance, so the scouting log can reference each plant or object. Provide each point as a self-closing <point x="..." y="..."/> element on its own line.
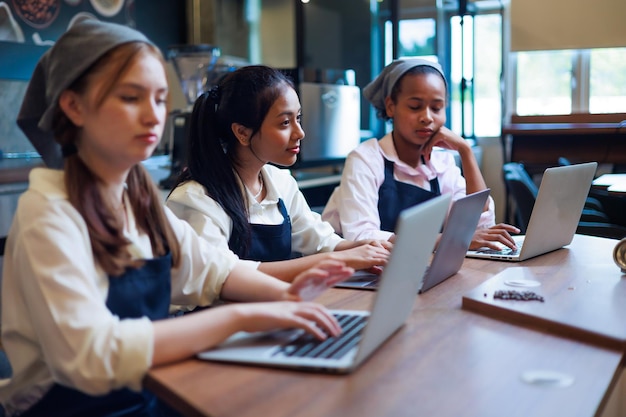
<point x="244" y="96"/>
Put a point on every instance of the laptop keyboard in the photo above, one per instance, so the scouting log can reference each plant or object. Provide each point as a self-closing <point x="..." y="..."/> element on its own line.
<point x="307" y="346"/>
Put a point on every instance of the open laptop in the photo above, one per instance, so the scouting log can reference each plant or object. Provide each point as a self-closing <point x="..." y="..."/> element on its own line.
<point x="555" y="216"/>
<point x="456" y="237"/>
<point x="363" y="331"/>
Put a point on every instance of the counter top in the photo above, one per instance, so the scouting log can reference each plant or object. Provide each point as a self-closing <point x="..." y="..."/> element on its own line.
<point x="16" y="170"/>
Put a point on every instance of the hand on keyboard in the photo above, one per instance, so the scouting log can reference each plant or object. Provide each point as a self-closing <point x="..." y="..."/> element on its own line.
<point x="495" y="237"/>
<point x="312" y="282"/>
<point x="333" y="347"/>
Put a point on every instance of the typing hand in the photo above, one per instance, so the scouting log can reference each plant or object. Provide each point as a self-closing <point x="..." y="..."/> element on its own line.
<point x="366" y="256"/>
<point x="494" y="237"/>
<point x="312" y="282"/>
<point x="313" y="318"/>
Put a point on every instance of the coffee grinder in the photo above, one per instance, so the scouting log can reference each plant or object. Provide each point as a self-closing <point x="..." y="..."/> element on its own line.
<point x="190" y="73"/>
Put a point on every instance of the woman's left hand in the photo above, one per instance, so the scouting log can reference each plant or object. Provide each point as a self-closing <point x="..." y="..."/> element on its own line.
<point x="314" y="281"/>
<point x="444" y="138"/>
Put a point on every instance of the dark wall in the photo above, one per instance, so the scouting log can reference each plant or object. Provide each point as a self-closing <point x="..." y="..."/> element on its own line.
<point x="338" y="35"/>
<point x="163" y="21"/>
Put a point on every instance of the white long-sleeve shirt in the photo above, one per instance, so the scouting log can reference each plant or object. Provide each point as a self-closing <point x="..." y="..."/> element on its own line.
<point x="309" y="234"/>
<point x="353" y="206"/>
<point x="55" y="324"/>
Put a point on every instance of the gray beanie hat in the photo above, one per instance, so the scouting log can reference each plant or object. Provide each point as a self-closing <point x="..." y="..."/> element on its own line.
<point x="73" y="53"/>
<point x="378" y="90"/>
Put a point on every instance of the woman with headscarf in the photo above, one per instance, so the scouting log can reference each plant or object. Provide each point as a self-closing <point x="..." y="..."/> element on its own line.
<point x="383" y="177"/>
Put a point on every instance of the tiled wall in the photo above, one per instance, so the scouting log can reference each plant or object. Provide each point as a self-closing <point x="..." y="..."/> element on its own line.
<point x="11" y="137"/>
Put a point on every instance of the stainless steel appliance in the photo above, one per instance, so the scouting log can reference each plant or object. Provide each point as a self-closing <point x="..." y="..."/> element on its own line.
<point x="331" y="119"/>
<point x="331" y="114"/>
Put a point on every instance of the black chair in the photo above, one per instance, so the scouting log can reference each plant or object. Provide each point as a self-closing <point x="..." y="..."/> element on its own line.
<point x="522" y="190"/>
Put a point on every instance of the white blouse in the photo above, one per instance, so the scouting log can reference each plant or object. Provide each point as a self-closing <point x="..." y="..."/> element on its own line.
<point x="353" y="206"/>
<point x="55" y="324"/>
<point x="309" y="234"/>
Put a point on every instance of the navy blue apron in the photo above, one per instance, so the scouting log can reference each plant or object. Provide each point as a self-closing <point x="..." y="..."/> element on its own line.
<point x="139" y="292"/>
<point x="395" y="196"/>
<point x="269" y="242"/>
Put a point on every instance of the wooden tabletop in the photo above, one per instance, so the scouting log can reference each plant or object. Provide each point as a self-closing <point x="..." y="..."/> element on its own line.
<point x="445" y="361"/>
<point x="586" y="302"/>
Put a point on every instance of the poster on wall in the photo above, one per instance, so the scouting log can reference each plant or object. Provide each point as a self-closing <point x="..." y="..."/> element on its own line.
<point x="29" y="27"/>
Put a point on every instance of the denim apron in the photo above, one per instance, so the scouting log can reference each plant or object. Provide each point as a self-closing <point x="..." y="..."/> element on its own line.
<point x="395" y="196"/>
<point x="139" y="292"/>
<point x="269" y="242"/>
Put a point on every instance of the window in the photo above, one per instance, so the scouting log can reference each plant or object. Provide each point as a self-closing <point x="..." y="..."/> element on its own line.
<point x="462" y="75"/>
<point x="536" y="82"/>
<point x="417" y="38"/>
<point x="487" y="73"/>
<point x="571" y="81"/>
<point x="607" y="80"/>
<point x="544" y="82"/>
<point x="476" y="60"/>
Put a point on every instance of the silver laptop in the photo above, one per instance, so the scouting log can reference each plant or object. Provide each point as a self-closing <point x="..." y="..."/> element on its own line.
<point x="363" y="331"/>
<point x="555" y="216"/>
<point x="456" y="237"/>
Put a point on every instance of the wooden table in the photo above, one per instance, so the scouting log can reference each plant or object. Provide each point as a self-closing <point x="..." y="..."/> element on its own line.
<point x="445" y="361"/>
<point x="584" y="301"/>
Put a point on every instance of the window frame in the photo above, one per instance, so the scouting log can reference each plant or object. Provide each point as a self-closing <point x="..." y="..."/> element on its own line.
<point x="580" y="89"/>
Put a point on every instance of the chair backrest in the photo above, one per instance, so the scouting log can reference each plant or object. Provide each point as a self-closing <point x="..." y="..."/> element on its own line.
<point x="522" y="189"/>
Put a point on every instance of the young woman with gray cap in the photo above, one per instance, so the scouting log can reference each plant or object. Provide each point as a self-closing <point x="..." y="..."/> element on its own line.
<point x="93" y="259"/>
<point x="383" y="177"/>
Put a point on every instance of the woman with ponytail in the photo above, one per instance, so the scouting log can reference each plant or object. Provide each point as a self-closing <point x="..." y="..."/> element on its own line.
<point x="233" y="192"/>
